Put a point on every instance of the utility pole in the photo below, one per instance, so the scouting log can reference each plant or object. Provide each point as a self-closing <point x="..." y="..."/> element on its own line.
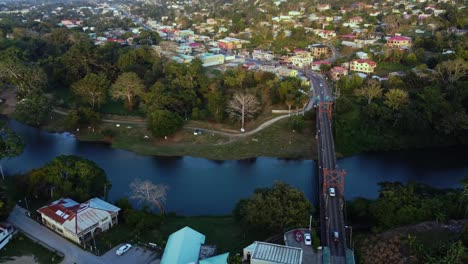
<point x="310" y="223"/>
<point x="1" y="171"/>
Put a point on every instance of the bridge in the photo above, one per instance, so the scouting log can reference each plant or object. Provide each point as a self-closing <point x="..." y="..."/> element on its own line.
<point x="332" y="220"/>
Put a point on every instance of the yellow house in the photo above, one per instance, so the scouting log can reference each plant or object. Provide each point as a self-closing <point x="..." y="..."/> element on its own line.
<point x="399" y="42"/>
<point x="365" y="66"/>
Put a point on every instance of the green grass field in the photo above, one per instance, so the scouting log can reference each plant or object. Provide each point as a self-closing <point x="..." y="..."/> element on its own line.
<point x="20" y="246"/>
<point x="222" y="231"/>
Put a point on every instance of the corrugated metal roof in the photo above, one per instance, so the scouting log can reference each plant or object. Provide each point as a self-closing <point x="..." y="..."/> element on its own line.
<point x="220" y="259"/>
<point x="277" y="253"/>
<point x="77" y="217"/>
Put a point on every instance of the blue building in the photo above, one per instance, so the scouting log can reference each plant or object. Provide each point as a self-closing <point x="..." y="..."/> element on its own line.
<point x="187" y="246"/>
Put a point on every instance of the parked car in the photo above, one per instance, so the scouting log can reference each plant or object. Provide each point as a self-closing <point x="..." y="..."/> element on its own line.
<point x="123" y="249"/>
<point x="332" y="192"/>
<point x="307" y="239"/>
<point x="298" y="236"/>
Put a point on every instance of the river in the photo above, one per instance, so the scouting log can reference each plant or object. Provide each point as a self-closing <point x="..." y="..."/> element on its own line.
<point x="200" y="186"/>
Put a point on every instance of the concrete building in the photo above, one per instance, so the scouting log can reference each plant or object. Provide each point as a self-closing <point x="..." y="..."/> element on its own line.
<point x="318" y="50"/>
<point x="266" y="253"/>
<point x="399" y="42"/>
<point x="364" y="66"/>
<point x="209" y="59"/>
<point x="79" y="222"/>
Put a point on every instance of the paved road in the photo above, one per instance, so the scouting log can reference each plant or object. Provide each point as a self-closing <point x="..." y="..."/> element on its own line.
<point x="73" y="254"/>
<point x="333" y="220"/>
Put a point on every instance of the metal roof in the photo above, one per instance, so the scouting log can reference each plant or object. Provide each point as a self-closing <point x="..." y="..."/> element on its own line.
<point x="183" y="247"/>
<point x="277" y="253"/>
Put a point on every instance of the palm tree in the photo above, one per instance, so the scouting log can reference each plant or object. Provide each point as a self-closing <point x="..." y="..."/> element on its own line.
<point x="370" y="91"/>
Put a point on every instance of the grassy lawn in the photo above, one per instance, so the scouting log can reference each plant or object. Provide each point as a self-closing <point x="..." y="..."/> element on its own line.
<point x="384" y="68"/>
<point x="222" y="231"/>
<point x="278" y="140"/>
<point x="23" y="246"/>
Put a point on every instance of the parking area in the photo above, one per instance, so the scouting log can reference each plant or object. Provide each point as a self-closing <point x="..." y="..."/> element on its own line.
<point x="136" y="255"/>
<point x="308" y="253"/>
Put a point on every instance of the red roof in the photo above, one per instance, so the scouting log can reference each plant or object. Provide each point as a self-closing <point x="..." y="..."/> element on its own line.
<point x="338" y="69"/>
<point x="321" y="62"/>
<point x="51" y="211"/>
<point x="399" y="38"/>
<point x="195" y="44"/>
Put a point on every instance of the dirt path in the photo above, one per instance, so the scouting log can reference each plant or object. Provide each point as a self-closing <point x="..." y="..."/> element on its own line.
<point x="139" y="122"/>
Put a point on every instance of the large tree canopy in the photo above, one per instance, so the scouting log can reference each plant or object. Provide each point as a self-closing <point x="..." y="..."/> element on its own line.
<point x="275" y="209"/>
<point x="67" y="176"/>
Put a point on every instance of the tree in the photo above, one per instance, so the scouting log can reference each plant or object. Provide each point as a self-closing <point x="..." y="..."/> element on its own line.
<point x="34" y="109"/>
<point x="67" y="176"/>
<point x="26" y="79"/>
<point x="163" y="122"/>
<point x="127" y="86"/>
<point x="146" y="191"/>
<point x="243" y="106"/>
<point x="451" y="71"/>
<point x="275" y="209"/>
<point x="370" y="91"/>
<point x="392" y="24"/>
<point x="11" y="144"/>
<point x="82" y="117"/>
<point x="91" y="89"/>
<point x="396" y="98"/>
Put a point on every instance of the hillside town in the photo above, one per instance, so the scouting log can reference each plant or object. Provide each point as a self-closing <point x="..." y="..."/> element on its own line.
<point x="191" y="77"/>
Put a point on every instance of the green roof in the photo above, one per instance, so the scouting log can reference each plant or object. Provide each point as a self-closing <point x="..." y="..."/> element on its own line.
<point x="220" y="259"/>
<point x="183" y="247"/>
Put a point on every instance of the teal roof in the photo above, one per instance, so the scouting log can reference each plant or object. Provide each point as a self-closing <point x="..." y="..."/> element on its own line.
<point x="326" y="256"/>
<point x="183" y="247"/>
<point x="220" y="259"/>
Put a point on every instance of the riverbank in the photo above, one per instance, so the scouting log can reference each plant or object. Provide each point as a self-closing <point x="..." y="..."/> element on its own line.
<point x="277" y="140"/>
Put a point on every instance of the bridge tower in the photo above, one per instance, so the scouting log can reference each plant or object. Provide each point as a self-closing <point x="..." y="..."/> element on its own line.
<point x="333" y="178"/>
<point x="326" y="107"/>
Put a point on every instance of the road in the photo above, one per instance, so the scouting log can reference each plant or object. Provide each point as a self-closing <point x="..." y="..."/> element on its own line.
<point x="333" y="220"/>
<point x="73" y="253"/>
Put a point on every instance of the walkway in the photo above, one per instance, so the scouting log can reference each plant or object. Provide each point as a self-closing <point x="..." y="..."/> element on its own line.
<point x="262" y="126"/>
<point x="73" y="254"/>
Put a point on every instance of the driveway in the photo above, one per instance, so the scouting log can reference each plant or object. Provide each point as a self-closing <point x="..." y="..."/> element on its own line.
<point x="136" y="255"/>
<point x="309" y="256"/>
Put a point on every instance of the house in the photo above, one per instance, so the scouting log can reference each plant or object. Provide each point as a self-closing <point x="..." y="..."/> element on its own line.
<point x="6" y="234"/>
<point x="362" y="55"/>
<point x="355" y="20"/>
<point x="197" y="47"/>
<point x="262" y="55"/>
<point x="399" y="42"/>
<point x="363" y="65"/>
<point x="326" y="34"/>
<point x="285" y="72"/>
<point x="318" y="50"/>
<point x="323" y="7"/>
<point x="266" y="253"/>
<point x="187" y="246"/>
<point x="337" y="72"/>
<point x="209" y="59"/>
<point x="79" y="222"/>
<point x="301" y="58"/>
<point x="184" y="49"/>
<point x="229" y="43"/>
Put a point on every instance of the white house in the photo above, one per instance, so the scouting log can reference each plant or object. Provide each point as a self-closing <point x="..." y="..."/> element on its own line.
<point x="79" y="222"/>
<point x="6" y="234"/>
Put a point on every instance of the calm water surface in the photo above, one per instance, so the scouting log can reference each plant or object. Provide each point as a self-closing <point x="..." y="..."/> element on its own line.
<point x="201" y="186"/>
